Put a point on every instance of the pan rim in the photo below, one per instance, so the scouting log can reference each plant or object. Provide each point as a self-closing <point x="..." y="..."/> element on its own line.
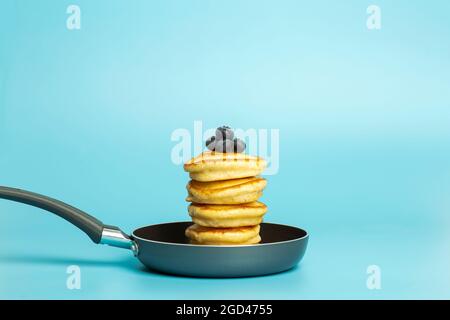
<point x="219" y="246"/>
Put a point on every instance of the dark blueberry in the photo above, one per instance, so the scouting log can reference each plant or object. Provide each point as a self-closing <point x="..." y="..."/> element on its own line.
<point x="224" y="133"/>
<point x="239" y="145"/>
<point x="224" y="146"/>
<point x="211" y="143"/>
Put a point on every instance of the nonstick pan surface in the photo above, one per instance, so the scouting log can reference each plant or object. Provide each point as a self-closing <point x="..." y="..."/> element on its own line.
<point x="165" y="248"/>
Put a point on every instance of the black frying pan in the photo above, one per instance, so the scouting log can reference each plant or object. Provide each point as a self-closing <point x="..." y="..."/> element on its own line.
<point x="163" y="247"/>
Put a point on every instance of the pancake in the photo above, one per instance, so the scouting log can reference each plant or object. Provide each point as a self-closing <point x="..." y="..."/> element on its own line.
<point x="214" y="166"/>
<point x="226" y="192"/>
<point x="254" y="240"/>
<point x="227" y="216"/>
<point x="223" y="236"/>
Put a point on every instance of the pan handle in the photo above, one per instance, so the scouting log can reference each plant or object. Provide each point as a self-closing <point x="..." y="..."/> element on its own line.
<point x="95" y="229"/>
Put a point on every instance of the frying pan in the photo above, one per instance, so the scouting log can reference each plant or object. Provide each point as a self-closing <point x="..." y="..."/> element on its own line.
<point x="164" y="248"/>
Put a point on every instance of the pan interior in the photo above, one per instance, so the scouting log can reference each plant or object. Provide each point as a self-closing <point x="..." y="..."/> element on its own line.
<point x="174" y="232"/>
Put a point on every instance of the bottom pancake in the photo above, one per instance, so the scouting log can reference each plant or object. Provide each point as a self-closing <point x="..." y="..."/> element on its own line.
<point x="254" y="240"/>
<point x="223" y="236"/>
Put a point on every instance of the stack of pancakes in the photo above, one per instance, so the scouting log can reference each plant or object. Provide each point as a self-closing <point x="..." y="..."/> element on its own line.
<point x="223" y="193"/>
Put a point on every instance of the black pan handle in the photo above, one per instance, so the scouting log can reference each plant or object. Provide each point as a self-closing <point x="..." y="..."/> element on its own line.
<point x="90" y="225"/>
<point x="94" y="228"/>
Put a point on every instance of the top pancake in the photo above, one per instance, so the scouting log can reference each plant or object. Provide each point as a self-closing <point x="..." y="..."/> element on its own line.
<point x="215" y="166"/>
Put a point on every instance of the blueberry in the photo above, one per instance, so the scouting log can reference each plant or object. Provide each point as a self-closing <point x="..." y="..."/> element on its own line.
<point x="211" y="143"/>
<point x="224" y="133"/>
<point x="239" y="145"/>
<point x="224" y="146"/>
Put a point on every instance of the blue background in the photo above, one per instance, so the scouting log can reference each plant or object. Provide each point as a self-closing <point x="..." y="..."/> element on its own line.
<point x="86" y="117"/>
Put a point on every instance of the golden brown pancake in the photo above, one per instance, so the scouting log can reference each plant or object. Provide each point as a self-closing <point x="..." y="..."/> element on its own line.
<point x="223" y="236"/>
<point x="254" y="240"/>
<point x="214" y="166"/>
<point x="227" y="215"/>
<point x="227" y="191"/>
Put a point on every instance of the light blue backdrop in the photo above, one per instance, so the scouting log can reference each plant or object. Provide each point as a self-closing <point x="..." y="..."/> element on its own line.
<point x="86" y="117"/>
